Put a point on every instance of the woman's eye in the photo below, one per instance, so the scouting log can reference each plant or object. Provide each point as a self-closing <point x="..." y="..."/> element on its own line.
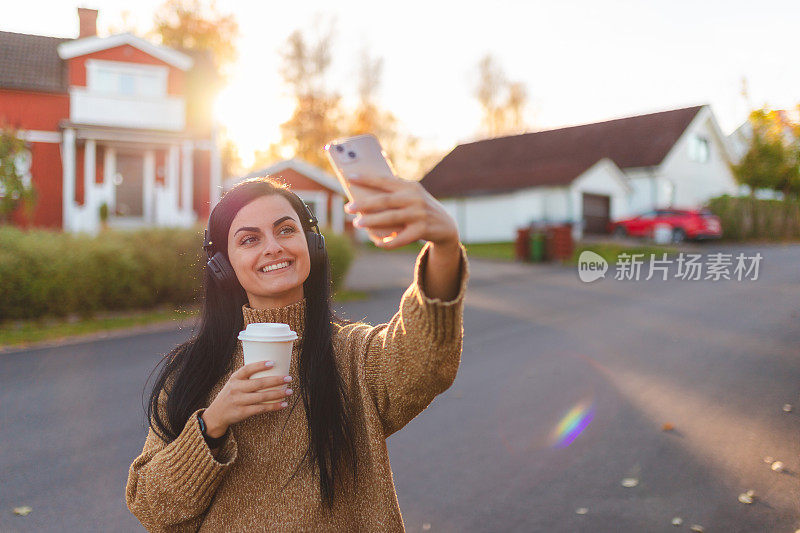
<point x="248" y="240"/>
<point x="290" y="228"/>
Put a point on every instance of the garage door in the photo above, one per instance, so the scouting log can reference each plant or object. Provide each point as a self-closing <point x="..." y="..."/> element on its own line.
<point x="596" y="212"/>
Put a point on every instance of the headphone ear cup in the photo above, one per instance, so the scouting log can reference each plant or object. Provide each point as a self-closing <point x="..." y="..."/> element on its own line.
<point x="316" y="247"/>
<point x="221" y="268"/>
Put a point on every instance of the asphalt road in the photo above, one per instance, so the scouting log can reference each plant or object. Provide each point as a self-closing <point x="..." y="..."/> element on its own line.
<point x="716" y="360"/>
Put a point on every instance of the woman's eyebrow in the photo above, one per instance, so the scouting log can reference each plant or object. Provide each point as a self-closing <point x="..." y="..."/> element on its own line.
<point x="256" y="230"/>
<point x="281" y="220"/>
<point x="247" y="228"/>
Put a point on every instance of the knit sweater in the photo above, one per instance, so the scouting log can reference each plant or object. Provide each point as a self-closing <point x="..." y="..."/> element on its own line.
<point x="392" y="372"/>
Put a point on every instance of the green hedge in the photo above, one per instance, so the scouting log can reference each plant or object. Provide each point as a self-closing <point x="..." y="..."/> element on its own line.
<point x="745" y="218"/>
<point x="45" y="273"/>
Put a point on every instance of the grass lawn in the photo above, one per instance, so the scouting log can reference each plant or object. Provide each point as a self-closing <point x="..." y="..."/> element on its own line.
<point x="14" y="333"/>
<point x="610" y="251"/>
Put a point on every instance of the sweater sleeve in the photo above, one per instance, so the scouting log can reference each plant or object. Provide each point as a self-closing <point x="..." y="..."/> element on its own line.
<point x="409" y="361"/>
<point x="170" y="486"/>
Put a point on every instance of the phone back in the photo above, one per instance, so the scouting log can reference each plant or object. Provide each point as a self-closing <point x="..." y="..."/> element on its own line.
<point x="361" y="155"/>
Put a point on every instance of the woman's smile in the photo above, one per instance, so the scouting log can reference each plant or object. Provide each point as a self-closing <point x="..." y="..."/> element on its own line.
<point x="276" y="267"/>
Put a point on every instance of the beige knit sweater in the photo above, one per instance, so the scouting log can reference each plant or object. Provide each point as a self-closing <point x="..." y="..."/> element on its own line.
<point x="392" y="372"/>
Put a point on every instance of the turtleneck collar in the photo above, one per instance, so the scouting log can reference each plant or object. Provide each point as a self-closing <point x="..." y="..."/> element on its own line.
<point x="292" y="314"/>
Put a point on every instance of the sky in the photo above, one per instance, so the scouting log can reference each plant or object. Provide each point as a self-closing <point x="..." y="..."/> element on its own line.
<point x="582" y="61"/>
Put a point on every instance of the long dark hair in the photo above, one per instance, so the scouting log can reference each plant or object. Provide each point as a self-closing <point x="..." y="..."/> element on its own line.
<point x="189" y="372"/>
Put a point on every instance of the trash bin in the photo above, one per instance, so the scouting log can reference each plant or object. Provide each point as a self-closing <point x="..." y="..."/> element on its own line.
<point x="558" y="243"/>
<point x="537" y="247"/>
<point x="522" y="246"/>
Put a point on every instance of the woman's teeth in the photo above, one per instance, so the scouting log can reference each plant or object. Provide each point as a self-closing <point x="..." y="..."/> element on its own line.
<point x="275" y="267"/>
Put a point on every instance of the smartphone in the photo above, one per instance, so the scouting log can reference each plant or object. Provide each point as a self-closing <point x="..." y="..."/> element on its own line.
<point x="361" y="155"/>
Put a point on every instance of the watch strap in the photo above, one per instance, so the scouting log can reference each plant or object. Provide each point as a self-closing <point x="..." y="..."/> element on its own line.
<point x="212" y="442"/>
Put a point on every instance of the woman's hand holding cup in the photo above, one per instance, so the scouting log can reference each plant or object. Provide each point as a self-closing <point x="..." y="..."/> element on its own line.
<point x="242" y="397"/>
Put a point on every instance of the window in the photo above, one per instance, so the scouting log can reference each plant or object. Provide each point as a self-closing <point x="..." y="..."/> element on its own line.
<point x="22" y="165"/>
<point x="119" y="78"/>
<point x="699" y="149"/>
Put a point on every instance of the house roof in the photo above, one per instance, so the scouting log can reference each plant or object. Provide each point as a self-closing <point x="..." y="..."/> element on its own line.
<point x="32" y="62"/>
<point x="556" y="157"/>
<point x="301" y="167"/>
<point x="88" y="45"/>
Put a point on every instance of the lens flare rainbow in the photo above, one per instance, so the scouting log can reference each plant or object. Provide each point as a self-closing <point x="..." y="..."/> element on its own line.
<point x="572" y="425"/>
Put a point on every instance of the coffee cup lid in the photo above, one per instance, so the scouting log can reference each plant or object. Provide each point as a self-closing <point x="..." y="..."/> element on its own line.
<point x="267" y="331"/>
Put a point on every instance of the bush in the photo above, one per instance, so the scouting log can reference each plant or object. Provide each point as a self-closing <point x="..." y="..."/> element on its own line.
<point x="46" y="273"/>
<point x="744" y="218"/>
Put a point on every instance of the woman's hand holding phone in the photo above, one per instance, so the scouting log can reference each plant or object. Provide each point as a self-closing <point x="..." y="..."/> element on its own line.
<point x="406" y="205"/>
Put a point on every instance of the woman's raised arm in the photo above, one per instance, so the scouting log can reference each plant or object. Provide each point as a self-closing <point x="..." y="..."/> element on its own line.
<point x="407" y="362"/>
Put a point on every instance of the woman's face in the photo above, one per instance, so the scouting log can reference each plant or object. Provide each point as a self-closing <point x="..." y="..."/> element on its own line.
<point x="267" y="232"/>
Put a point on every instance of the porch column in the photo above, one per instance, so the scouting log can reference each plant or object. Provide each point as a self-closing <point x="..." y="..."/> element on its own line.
<point x="89" y="197"/>
<point x="148" y="187"/>
<point x="216" y="171"/>
<point x="187" y="172"/>
<point x="110" y="175"/>
<point x="337" y="216"/>
<point x="68" y="178"/>
<point x="173" y="181"/>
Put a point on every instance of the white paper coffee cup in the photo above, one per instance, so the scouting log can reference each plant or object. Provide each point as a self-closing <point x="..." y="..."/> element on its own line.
<point x="268" y="341"/>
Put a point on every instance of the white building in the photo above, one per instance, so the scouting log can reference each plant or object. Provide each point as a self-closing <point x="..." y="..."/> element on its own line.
<point x="584" y="175"/>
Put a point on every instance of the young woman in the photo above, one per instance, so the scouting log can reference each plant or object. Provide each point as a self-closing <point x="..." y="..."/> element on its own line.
<point x="218" y="458"/>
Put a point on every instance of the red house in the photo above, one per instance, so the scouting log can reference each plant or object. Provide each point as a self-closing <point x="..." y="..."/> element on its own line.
<point x="111" y="120"/>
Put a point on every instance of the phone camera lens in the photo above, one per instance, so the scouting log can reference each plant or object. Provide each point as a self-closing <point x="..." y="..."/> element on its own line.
<point x="351" y="154"/>
<point x="339" y="148"/>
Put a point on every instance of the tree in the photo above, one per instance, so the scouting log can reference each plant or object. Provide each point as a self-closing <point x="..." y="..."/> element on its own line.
<point x="317" y="115"/>
<point x="195" y="25"/>
<point x="772" y="160"/>
<point x="502" y="101"/>
<point x="15" y="186"/>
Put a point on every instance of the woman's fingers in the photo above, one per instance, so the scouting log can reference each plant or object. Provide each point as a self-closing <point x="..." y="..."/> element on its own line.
<point x="391" y="217"/>
<point x="255" y="384"/>
<point x="248" y="370"/>
<point x="379" y="183"/>
<point x="379" y="202"/>
<point x="267" y="396"/>
<point x="412" y="233"/>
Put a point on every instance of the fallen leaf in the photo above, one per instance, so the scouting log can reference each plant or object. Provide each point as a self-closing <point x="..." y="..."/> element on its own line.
<point x="769" y="460"/>
<point x="581" y="510"/>
<point x="426" y="526"/>
<point x="751" y="493"/>
<point x="787" y="408"/>
<point x="22" y="511"/>
<point x="677" y="521"/>
<point x="777" y="466"/>
<point x="697" y="528"/>
<point x="667" y="427"/>
<point x="630" y="482"/>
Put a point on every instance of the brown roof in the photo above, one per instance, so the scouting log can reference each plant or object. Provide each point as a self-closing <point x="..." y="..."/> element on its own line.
<point x="556" y="157"/>
<point x="31" y="62"/>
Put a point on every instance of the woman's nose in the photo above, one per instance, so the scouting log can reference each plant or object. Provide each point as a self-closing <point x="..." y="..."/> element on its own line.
<point x="272" y="246"/>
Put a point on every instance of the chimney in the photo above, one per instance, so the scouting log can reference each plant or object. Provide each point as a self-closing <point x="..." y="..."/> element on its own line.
<point x="88" y="21"/>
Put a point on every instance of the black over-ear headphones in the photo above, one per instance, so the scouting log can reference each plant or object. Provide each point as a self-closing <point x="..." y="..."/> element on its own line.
<point x="222" y="270"/>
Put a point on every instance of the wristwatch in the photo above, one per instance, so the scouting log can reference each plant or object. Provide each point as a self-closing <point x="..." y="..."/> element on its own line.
<point x="210" y="441"/>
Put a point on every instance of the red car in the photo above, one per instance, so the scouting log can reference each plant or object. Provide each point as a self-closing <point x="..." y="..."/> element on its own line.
<point x="685" y="224"/>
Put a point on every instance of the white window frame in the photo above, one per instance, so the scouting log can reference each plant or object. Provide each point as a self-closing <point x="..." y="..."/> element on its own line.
<point x="23" y="162"/>
<point x="699" y="149"/>
<point x="96" y="67"/>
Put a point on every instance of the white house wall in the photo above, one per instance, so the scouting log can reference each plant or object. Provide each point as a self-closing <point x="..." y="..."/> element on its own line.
<point x="496" y="218"/>
<point x="695" y="182"/>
